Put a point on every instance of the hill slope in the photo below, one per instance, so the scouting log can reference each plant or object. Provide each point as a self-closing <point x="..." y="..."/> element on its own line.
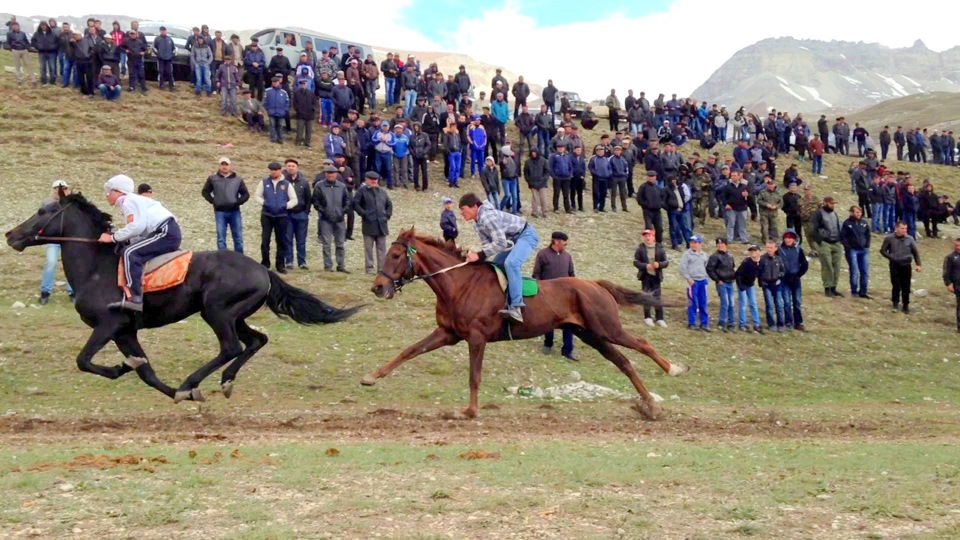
<point x="819" y="76"/>
<point x="937" y="110"/>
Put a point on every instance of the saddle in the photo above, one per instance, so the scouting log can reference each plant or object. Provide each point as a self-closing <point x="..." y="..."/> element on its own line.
<point x="530" y="286"/>
<point x="160" y="273"/>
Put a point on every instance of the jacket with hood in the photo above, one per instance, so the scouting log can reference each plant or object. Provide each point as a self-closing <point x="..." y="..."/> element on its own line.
<point x="490" y="179"/>
<point x="419" y="143"/>
<point x="45" y="42"/>
<point x="535" y="170"/>
<point x="794" y="260"/>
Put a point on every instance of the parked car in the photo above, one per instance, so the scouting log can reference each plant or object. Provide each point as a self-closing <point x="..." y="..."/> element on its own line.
<point x="293" y="41"/>
<point x="181" y="58"/>
<point x="577" y="105"/>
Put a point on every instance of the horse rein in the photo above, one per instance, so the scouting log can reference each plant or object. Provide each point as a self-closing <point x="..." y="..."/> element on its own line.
<point x="399" y="283"/>
<point x="39" y="235"/>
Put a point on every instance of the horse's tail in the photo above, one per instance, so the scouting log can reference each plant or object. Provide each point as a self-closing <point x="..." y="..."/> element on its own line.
<point x="627" y="297"/>
<point x="288" y="301"/>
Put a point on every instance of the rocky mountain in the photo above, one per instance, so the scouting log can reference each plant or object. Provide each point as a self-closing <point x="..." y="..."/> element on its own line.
<point x="836" y="76"/>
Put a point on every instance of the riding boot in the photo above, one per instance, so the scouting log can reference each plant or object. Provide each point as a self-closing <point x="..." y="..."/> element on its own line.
<point x="135" y="303"/>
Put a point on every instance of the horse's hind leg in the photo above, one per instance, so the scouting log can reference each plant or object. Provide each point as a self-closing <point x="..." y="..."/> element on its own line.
<point x="641" y="345"/>
<point x="647" y="405"/>
<point x="254" y="341"/>
<point x="223" y="322"/>
<point x="137" y="360"/>
<point x="441" y="337"/>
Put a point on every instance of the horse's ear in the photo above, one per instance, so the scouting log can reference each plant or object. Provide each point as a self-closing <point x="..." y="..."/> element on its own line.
<point x="407" y="234"/>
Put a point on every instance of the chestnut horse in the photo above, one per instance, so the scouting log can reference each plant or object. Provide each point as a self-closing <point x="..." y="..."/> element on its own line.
<point x="469" y="298"/>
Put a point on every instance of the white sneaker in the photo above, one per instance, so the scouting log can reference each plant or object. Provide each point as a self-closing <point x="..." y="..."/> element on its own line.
<point x="662" y="323"/>
<point x="648" y="321"/>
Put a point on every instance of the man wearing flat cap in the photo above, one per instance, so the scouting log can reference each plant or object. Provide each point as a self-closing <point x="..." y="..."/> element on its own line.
<point x="331" y="198"/>
<point x="375" y="208"/>
<point x="275" y="196"/>
<point x="552" y="263"/>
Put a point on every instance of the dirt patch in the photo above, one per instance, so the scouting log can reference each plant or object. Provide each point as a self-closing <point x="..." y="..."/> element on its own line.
<point x="471" y="455"/>
<point x="102" y="462"/>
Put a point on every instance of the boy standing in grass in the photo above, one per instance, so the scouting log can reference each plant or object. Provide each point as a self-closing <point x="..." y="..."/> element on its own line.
<point x="448" y="220"/>
<point x="747" y="274"/>
<point x="771" y="272"/>
<point x="650" y="259"/>
<point x="693" y="268"/>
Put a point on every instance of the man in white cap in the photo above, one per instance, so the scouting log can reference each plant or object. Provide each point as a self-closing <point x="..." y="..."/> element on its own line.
<point x="60" y="189"/>
<point x="150" y="230"/>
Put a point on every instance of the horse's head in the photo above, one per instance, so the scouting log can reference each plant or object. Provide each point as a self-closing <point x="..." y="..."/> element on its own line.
<point x="397" y="268"/>
<point x="72" y="215"/>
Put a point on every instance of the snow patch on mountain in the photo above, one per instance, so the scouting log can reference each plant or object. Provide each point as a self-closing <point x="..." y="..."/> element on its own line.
<point x="791" y="92"/>
<point x="913" y="82"/>
<point x="804" y="48"/>
<point x="896" y="88"/>
<point x="851" y="80"/>
<point x="782" y="80"/>
<point x="842" y="56"/>
<point x="816" y="95"/>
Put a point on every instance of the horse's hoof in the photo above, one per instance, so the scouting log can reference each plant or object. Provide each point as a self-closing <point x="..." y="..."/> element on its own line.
<point x="648" y="410"/>
<point x="368" y="380"/>
<point x="197" y="395"/>
<point x="469" y="413"/>
<point x="678" y="368"/>
<point x="227" y="389"/>
<point x="181" y="395"/>
<point x="134" y="362"/>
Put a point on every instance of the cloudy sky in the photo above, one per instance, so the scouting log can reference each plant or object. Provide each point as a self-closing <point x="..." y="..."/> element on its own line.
<point x="654" y="45"/>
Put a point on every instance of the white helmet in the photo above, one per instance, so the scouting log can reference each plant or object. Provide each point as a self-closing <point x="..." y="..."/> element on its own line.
<point x="121" y="183"/>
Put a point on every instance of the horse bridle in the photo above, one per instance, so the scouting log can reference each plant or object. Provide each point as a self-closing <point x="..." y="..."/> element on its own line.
<point x="60" y="212"/>
<point x="398" y="283"/>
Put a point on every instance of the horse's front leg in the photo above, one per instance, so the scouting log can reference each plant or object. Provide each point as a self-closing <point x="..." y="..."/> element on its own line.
<point x="102" y="334"/>
<point x="137" y="359"/>
<point x="441" y="337"/>
<point x="477" y="345"/>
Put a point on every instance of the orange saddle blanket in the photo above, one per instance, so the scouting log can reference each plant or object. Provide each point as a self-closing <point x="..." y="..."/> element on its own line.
<point x="163" y="272"/>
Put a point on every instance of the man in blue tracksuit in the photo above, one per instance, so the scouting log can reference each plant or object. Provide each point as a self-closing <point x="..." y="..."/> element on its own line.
<point x="693" y="268"/>
<point x="599" y="167"/>
<point x="277" y="103"/>
<point x="794" y="267"/>
<point x="477" y="136"/>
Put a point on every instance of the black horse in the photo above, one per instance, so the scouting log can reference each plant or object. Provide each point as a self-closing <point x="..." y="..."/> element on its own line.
<point x="225" y="287"/>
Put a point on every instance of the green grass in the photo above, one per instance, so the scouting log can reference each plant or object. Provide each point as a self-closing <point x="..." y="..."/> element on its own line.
<point x="772" y="436"/>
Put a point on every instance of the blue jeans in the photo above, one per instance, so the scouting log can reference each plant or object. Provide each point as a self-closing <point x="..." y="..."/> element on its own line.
<point x="476" y="157"/>
<point x="49" y="267"/>
<point x="635" y="127"/>
<point x="123" y="62"/>
<point x="773" y="302"/>
<point x="48" y="68"/>
<point x="372" y="94"/>
<point x="383" y="165"/>
<point x="859" y="262"/>
<point x="877" y="209"/>
<point x="567" y="347"/>
<point x="791" y="295"/>
<point x="61" y="57"/>
<point x="679" y="232"/>
<point x="494" y="200"/>
<point x="391" y="86"/>
<point x="748" y="297"/>
<point x="107" y="93"/>
<point x="276" y="128"/>
<point x="68" y="72"/>
<point x="910" y="218"/>
<point x="409" y="100"/>
<point x="889" y="217"/>
<point x="297" y="225"/>
<point x="235" y="221"/>
<point x="326" y="110"/>
<point x="511" y="194"/>
<point x="543" y="141"/>
<point x="817" y="164"/>
<point x="727" y="315"/>
<point x="697" y="303"/>
<point x="513" y="260"/>
<point x="455" y="160"/>
<point x="201" y="77"/>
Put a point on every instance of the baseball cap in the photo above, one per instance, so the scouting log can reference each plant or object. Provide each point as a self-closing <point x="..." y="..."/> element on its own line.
<point x="224" y="159"/>
<point x="60" y="184"/>
<point x="753" y="247"/>
<point x="446" y="200"/>
<point x="696" y="238"/>
<point x="648" y="232"/>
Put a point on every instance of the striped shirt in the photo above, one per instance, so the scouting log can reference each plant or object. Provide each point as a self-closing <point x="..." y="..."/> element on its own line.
<point x="496" y="228"/>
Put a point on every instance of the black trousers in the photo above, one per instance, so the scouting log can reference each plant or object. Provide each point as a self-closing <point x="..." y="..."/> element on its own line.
<point x="85" y="75"/>
<point x="651" y="284"/>
<point x="276" y="226"/>
<point x="614" y="120"/>
<point x="956" y="292"/>
<point x="351" y="215"/>
<point x="561" y="186"/>
<point x="863" y="201"/>
<point x="654" y="219"/>
<point x="577" y="185"/>
<point x="256" y="85"/>
<point x="794" y="222"/>
<point x="419" y="167"/>
<point x="899" y="152"/>
<point x="900" y="279"/>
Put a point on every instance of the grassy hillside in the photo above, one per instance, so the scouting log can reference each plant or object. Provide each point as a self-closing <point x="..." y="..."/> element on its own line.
<point x="850" y="428"/>
<point x="935" y="111"/>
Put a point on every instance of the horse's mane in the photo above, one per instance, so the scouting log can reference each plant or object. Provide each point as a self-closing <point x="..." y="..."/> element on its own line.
<point x="442" y="245"/>
<point x="101" y="220"/>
